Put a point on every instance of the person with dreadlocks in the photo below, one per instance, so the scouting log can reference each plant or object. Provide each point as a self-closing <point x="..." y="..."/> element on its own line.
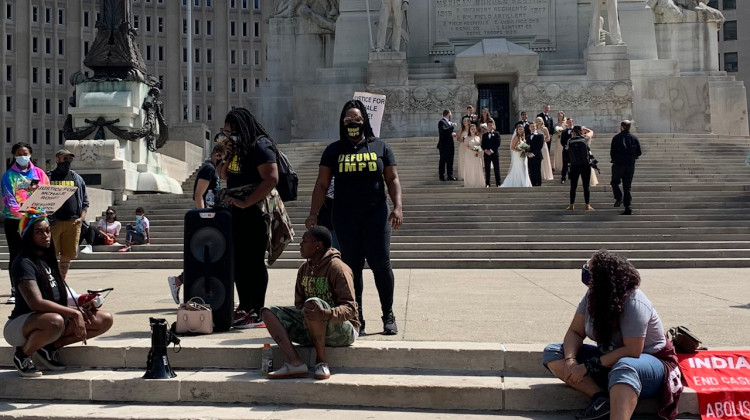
<point x="42" y="322"/>
<point x="632" y="358"/>
<point x="363" y="166"/>
<point x="251" y="161"/>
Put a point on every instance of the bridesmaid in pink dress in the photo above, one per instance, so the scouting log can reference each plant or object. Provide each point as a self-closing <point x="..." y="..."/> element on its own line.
<point x="557" y="162"/>
<point x="589" y="135"/>
<point x="463" y="132"/>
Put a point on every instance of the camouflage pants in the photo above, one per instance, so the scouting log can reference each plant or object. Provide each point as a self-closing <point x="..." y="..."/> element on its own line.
<point x="338" y="334"/>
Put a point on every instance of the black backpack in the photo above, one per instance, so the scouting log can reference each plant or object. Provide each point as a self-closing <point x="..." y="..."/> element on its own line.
<point x="288" y="179"/>
<point x="578" y="151"/>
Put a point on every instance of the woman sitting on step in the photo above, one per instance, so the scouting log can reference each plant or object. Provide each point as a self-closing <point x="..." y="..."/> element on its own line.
<point x="42" y="321"/>
<point x="632" y="358"/>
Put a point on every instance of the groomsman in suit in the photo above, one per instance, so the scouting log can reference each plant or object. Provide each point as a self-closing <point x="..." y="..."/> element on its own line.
<point x="624" y="151"/>
<point x="490" y="144"/>
<point x="536" y="142"/>
<point x="445" y="146"/>
<point x="547" y="123"/>
<point x="473" y="118"/>
<point x="525" y="123"/>
<point x="564" y="137"/>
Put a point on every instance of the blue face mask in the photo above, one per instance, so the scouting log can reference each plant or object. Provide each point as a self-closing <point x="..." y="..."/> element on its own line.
<point x="23" y="160"/>
<point x="585" y="274"/>
<point x="138" y="218"/>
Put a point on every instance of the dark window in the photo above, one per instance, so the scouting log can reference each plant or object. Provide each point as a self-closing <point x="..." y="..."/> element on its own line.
<point x="34" y="74"/>
<point x="730" y="4"/>
<point x="256" y="29"/>
<point x="60" y="17"/>
<point x="198" y="84"/>
<point x="34" y="105"/>
<point x="48" y="76"/>
<point x="730" y="30"/>
<point x="197" y="55"/>
<point x="9" y="15"/>
<point x="34" y="135"/>
<point x="197" y="28"/>
<point x="209" y="113"/>
<point x="161" y="53"/>
<point x="8" y="104"/>
<point x="136" y="22"/>
<point x="47" y="46"/>
<point x="85" y="47"/>
<point x="730" y="62"/>
<point x="209" y="84"/>
<point x="60" y="107"/>
<point x="86" y="19"/>
<point x="161" y="24"/>
<point x="61" y="46"/>
<point x="8" y="131"/>
<point x="47" y="15"/>
<point x="47" y="136"/>
<point x="209" y="58"/>
<point x="713" y="3"/>
<point x="47" y="106"/>
<point x="35" y="14"/>
<point x="9" y="73"/>
<point x="148" y="23"/>
<point x="209" y="30"/>
<point x="148" y="52"/>
<point x="232" y="28"/>
<point x="9" y="42"/>
<point x="35" y="44"/>
<point x="60" y="77"/>
<point x="244" y="29"/>
<point x="60" y="138"/>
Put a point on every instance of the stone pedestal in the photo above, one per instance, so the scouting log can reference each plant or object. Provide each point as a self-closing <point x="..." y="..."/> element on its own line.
<point x="607" y="62"/>
<point x="296" y="47"/>
<point x="693" y="44"/>
<point x="387" y="69"/>
<point x="124" y="166"/>
<point x="354" y="32"/>
<point x="637" y="26"/>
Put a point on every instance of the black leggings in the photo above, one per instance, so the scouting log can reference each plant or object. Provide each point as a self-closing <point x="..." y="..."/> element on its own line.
<point x="14" y="242"/>
<point x="250" y="272"/>
<point x="584" y="172"/>
<point x="365" y="234"/>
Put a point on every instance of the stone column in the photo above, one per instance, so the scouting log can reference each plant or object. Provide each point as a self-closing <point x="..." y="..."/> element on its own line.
<point x="637" y="26"/>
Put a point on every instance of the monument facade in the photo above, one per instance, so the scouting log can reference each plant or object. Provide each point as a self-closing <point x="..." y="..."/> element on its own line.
<point x="653" y="61"/>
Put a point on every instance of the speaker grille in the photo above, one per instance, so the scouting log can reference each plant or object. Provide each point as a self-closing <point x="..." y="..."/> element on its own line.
<point x="208" y="240"/>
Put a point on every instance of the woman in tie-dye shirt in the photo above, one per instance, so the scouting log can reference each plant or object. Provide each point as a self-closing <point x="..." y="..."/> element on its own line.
<point x="18" y="183"/>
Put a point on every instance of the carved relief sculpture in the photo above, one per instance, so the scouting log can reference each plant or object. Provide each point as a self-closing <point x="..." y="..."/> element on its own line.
<point x="321" y="12"/>
<point x="613" y="23"/>
<point x="395" y="10"/>
<point x="676" y="11"/>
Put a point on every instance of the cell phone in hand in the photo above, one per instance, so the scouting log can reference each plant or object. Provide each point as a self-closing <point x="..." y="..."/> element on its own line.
<point x="34" y="182"/>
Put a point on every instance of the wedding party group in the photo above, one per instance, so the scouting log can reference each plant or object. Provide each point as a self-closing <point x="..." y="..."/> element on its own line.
<point x="533" y="158"/>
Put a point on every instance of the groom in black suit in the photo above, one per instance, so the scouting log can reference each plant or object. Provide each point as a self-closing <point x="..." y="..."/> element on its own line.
<point x="490" y="144"/>
<point x="536" y="142"/>
<point x="445" y="146"/>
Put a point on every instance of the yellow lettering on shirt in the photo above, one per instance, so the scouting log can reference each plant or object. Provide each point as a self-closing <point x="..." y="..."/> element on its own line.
<point x="358" y="162"/>
<point x="234" y="166"/>
<point x="63" y="183"/>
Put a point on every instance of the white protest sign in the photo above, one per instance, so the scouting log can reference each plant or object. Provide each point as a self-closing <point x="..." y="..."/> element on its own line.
<point x="375" y="105"/>
<point x="49" y="197"/>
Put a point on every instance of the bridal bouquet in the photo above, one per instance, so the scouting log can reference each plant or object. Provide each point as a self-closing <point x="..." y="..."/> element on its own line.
<point x="558" y="129"/>
<point x="523" y="147"/>
<point x="476" y="150"/>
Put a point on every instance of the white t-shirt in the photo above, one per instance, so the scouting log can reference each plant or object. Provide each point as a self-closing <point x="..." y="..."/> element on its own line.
<point x="111" y="228"/>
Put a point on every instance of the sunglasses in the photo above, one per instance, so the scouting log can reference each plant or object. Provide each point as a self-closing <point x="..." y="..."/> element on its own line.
<point x="358" y="119"/>
<point x="110" y="214"/>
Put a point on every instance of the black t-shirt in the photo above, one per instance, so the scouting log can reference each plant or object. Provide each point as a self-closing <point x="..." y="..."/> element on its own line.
<point x="24" y="268"/>
<point x="359" y="171"/>
<point x="246" y="173"/>
<point x="69" y="209"/>
<point x="207" y="172"/>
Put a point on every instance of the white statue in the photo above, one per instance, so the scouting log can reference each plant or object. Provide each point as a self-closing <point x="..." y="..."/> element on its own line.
<point x="396" y="9"/>
<point x="613" y="23"/>
<point x="673" y="11"/>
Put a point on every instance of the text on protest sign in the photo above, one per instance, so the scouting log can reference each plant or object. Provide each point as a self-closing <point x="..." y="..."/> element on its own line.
<point x="375" y="105"/>
<point x="49" y="197"/>
<point x="722" y="381"/>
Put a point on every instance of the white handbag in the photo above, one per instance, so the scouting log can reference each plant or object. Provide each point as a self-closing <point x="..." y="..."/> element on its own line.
<point x="194" y="317"/>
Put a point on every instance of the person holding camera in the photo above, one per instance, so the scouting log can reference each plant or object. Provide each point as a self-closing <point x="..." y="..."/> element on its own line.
<point x="578" y="158"/>
<point x="20" y="181"/>
<point x="632" y="357"/>
<point x="42" y="321"/>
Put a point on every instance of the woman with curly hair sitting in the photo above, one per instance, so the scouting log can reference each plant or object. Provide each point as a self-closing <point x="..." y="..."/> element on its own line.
<point x="632" y="357"/>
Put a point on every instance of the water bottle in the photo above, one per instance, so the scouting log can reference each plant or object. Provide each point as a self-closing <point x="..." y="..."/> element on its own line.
<point x="209" y="199"/>
<point x="266" y="359"/>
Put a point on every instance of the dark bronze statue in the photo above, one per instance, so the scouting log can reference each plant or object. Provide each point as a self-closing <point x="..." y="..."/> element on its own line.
<point x="114" y="54"/>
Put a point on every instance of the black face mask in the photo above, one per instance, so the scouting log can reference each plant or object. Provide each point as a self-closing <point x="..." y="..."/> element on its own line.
<point x="354" y="130"/>
<point x="64" y="166"/>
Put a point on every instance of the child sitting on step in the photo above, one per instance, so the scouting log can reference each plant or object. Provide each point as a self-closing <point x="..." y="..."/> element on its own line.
<point x="138" y="234"/>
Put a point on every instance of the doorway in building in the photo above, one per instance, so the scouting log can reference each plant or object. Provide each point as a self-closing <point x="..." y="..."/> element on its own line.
<point x="496" y="98"/>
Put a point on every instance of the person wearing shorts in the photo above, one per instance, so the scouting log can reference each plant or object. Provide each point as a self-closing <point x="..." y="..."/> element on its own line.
<point x="67" y="220"/>
<point x="324" y="312"/>
<point x="42" y="322"/>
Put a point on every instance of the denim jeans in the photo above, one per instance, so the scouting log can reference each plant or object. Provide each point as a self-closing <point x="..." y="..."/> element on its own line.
<point x="645" y="374"/>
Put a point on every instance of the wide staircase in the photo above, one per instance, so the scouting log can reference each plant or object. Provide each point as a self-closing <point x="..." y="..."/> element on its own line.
<point x="691" y="209"/>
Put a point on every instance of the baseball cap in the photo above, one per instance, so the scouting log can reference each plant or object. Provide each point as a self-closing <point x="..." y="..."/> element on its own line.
<point x="64" y="152"/>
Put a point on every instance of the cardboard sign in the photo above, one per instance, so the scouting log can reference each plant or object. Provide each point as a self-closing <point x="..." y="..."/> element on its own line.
<point x="375" y="105"/>
<point x="49" y="197"/>
<point x="722" y="381"/>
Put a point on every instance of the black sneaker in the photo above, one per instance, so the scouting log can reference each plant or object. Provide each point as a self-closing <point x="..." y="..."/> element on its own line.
<point x="48" y="358"/>
<point x="618" y="203"/>
<point x="597" y="409"/>
<point x="389" y="324"/>
<point x="25" y="365"/>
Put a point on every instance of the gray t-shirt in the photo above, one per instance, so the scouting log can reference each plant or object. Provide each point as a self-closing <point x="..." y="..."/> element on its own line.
<point x="638" y="319"/>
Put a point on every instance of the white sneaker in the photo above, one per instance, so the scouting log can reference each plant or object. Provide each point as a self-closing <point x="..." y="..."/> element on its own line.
<point x="87" y="249"/>
<point x="174" y="288"/>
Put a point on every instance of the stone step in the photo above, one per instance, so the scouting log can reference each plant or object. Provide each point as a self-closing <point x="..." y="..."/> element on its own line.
<point x="392" y="388"/>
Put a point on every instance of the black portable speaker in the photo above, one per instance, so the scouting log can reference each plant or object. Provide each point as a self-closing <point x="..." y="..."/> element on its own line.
<point x="209" y="262"/>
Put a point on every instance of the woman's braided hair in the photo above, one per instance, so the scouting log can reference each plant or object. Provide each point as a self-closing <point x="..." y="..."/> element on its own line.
<point x="246" y="131"/>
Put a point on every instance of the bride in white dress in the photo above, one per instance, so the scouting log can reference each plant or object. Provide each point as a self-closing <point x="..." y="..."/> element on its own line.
<point x="518" y="174"/>
<point x="473" y="160"/>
